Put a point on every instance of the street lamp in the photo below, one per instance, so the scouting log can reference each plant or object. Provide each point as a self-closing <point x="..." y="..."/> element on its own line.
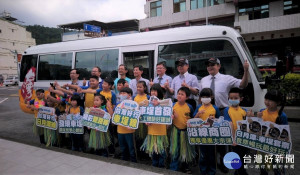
<point x="15" y="53"/>
<point x="12" y="51"/>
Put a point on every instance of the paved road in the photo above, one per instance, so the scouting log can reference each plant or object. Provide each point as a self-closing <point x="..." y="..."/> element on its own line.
<point x="17" y="126"/>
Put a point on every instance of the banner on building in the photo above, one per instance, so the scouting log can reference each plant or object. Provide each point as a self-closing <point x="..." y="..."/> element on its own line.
<point x="209" y="132"/>
<point x="263" y="136"/>
<point x="127" y="114"/>
<point x="70" y="123"/>
<point x="96" y="118"/>
<point x="156" y="111"/>
<point x="46" y="118"/>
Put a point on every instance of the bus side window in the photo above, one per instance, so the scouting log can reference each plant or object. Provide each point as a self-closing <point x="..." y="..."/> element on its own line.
<point x="107" y="60"/>
<point x="28" y="61"/>
<point x="55" y="66"/>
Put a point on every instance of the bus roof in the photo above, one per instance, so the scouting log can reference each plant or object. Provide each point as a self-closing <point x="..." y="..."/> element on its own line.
<point x="152" y="37"/>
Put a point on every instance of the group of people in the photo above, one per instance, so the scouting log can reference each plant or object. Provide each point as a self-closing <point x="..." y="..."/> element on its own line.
<point x="219" y="95"/>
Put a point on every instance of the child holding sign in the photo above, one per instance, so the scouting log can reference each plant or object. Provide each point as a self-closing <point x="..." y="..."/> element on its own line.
<point x="205" y="110"/>
<point x="140" y="98"/>
<point x="272" y="99"/>
<point x="125" y="134"/>
<point x="156" y="142"/>
<point x="233" y="114"/>
<point x="50" y="135"/>
<point x="111" y="100"/>
<point x="180" y="149"/>
<point x="74" y="108"/>
<point x="34" y="105"/>
<point x="100" y="140"/>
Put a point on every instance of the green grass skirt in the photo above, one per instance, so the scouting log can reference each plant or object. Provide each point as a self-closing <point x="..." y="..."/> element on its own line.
<point x="141" y="132"/>
<point x="185" y="151"/>
<point x="50" y="137"/>
<point x="38" y="131"/>
<point x="155" y="144"/>
<point x="99" y="140"/>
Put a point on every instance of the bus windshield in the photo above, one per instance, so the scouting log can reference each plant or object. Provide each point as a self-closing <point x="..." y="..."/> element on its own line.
<point x="251" y="61"/>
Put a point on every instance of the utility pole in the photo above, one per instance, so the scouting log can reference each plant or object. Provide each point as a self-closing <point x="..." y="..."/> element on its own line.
<point x="206" y="12"/>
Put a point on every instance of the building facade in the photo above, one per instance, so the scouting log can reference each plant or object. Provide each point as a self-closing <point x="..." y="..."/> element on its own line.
<point x="14" y="40"/>
<point x="174" y="13"/>
<point x="76" y="31"/>
<point x="266" y="25"/>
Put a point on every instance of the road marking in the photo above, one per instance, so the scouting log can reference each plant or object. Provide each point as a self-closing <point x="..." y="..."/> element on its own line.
<point x="3" y="100"/>
<point x="13" y="95"/>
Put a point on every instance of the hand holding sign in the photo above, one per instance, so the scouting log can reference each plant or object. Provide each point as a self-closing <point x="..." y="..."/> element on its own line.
<point x="250" y="113"/>
<point x="200" y="112"/>
<point x="259" y="114"/>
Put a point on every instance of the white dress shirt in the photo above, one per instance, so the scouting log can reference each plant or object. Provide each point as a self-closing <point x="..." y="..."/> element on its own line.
<point x="223" y="84"/>
<point x="190" y="79"/>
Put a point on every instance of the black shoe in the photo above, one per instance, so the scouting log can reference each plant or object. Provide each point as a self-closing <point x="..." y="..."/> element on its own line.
<point x="222" y="168"/>
<point x="188" y="171"/>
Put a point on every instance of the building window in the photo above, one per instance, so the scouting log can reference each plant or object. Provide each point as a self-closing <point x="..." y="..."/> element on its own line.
<point x="156" y="9"/>
<point x="0" y="31"/>
<point x="12" y="30"/>
<point x="195" y="4"/>
<point x="257" y="12"/>
<point x="179" y="5"/>
<point x="291" y="7"/>
<point x="13" y="43"/>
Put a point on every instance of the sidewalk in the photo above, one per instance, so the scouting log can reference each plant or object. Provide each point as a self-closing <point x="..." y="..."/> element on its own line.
<point x="17" y="158"/>
<point x="293" y="113"/>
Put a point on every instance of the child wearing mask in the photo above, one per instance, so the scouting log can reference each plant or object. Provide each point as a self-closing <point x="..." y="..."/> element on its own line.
<point x="206" y="110"/>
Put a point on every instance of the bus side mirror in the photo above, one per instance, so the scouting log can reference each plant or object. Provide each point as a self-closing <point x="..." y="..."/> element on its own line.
<point x="280" y="69"/>
<point x="275" y="78"/>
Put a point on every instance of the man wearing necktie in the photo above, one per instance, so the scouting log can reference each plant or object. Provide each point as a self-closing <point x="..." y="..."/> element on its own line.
<point x="162" y="79"/>
<point x="184" y="79"/>
<point x="221" y="84"/>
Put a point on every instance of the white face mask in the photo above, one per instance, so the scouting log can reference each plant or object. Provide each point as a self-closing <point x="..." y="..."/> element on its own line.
<point x="123" y="97"/>
<point x="234" y="102"/>
<point x="205" y="100"/>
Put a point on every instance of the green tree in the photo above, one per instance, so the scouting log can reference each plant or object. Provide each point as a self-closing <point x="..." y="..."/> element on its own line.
<point x="44" y="35"/>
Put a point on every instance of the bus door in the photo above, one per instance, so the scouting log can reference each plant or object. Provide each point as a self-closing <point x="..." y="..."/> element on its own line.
<point x="144" y="58"/>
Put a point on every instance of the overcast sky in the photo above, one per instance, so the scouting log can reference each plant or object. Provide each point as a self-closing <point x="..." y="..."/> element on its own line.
<point x="51" y="13"/>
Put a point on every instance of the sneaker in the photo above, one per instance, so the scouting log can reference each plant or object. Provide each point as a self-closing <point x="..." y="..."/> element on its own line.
<point x="222" y="168"/>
